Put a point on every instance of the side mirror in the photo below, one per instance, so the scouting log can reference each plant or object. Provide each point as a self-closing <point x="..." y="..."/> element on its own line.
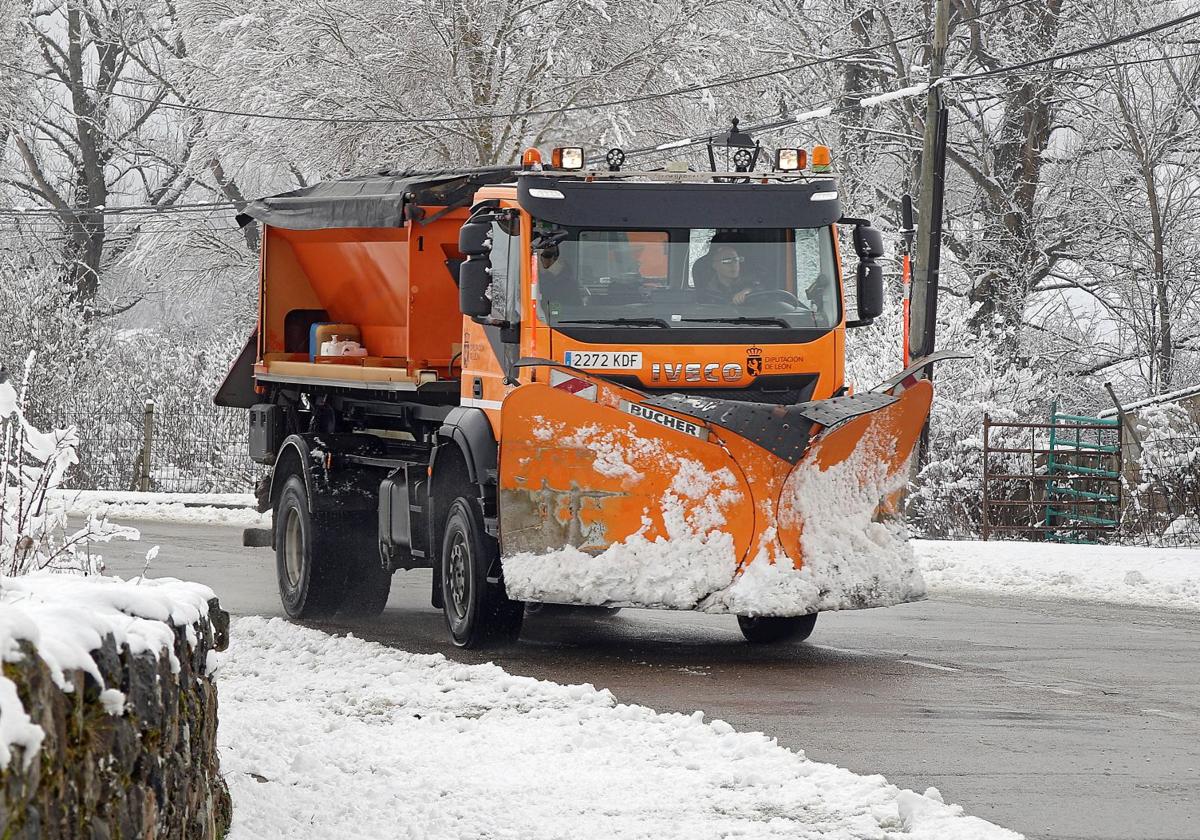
<point x="868" y="242"/>
<point x="870" y="290"/>
<point x="474" y="283"/>
<point x="474" y="237"/>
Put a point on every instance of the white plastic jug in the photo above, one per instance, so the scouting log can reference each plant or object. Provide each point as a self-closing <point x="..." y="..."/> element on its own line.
<point x="336" y="347"/>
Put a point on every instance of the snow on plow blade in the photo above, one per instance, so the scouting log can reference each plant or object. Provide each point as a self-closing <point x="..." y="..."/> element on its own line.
<point x="699" y="503"/>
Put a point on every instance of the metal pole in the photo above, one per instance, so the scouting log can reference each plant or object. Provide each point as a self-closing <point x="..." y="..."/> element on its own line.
<point x="987" y="425"/>
<point x="1125" y="419"/>
<point x="147" y="443"/>
<point x="907" y="232"/>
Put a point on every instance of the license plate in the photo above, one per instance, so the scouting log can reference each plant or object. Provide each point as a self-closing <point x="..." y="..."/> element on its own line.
<point x="603" y="360"/>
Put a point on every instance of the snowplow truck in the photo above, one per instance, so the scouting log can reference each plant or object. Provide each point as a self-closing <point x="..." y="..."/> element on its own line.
<point x="563" y="385"/>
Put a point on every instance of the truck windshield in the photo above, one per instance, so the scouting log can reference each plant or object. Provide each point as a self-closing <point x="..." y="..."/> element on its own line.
<point x="690" y="278"/>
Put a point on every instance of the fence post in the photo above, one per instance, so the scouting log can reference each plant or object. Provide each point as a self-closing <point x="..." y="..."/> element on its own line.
<point x="987" y="425"/>
<point x="147" y="443"/>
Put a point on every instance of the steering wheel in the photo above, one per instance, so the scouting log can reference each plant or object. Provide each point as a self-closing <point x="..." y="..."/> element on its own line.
<point x="773" y="296"/>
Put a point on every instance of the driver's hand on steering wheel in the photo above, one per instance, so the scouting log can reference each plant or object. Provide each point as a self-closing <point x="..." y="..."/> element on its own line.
<point x="741" y="296"/>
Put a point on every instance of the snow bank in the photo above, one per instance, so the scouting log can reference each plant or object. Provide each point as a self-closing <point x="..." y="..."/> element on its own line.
<point x="237" y="509"/>
<point x="65" y="618"/>
<point x="1161" y="577"/>
<point x="327" y="737"/>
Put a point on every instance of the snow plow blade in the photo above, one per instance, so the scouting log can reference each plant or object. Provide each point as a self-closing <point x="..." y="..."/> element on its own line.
<point x="686" y="502"/>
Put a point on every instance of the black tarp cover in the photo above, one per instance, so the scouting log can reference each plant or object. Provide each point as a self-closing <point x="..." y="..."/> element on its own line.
<point x="369" y="201"/>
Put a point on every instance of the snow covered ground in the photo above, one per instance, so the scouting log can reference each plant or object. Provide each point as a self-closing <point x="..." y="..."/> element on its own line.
<point x="189" y="508"/>
<point x="326" y="736"/>
<point x="1159" y="577"/>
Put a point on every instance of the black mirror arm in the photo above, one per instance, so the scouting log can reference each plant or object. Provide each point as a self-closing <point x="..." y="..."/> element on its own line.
<point x="861" y="322"/>
<point x="542" y="241"/>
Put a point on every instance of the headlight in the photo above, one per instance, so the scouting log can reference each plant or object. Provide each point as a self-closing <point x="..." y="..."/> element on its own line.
<point x="791" y="160"/>
<point x="567" y="157"/>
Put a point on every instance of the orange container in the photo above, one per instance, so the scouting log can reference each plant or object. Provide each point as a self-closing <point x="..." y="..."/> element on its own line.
<point x="394" y="284"/>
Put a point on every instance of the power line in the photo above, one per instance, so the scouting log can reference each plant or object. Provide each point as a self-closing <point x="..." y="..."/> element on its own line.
<point x="916" y="90"/>
<point x="592" y="106"/>
<point x="1112" y="42"/>
<point x="133" y="209"/>
<point x="686" y="142"/>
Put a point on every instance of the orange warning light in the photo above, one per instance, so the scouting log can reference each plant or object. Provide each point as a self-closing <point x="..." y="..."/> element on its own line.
<point x="532" y="158"/>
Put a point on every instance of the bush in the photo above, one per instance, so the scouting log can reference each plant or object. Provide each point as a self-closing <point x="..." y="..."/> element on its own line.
<point x="34" y="532"/>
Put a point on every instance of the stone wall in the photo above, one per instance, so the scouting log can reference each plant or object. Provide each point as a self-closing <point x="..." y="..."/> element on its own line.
<point x="150" y="772"/>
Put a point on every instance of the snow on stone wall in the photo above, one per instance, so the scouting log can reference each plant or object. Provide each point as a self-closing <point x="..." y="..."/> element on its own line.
<point x="108" y="714"/>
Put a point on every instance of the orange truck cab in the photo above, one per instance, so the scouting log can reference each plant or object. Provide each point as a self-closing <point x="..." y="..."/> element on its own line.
<point x="603" y="388"/>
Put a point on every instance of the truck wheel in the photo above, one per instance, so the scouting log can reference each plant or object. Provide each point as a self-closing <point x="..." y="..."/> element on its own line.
<point x="368" y="584"/>
<point x="311" y="582"/>
<point x="766" y="629"/>
<point x="477" y="612"/>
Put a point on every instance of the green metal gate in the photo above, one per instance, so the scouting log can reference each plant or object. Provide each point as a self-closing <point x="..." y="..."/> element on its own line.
<point x="1084" y="477"/>
<point x="1064" y="486"/>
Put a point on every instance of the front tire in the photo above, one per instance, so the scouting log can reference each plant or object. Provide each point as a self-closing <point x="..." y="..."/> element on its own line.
<point x="477" y="612"/>
<point x="766" y="629"/>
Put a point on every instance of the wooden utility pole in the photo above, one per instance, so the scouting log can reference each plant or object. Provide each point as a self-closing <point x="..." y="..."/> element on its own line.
<point x="925" y="279"/>
<point x="923" y="296"/>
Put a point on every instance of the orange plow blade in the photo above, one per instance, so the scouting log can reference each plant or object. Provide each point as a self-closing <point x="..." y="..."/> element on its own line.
<point x="602" y="506"/>
<point x="623" y="498"/>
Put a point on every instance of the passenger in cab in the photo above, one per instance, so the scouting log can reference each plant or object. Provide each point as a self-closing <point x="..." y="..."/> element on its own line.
<point x="557" y="281"/>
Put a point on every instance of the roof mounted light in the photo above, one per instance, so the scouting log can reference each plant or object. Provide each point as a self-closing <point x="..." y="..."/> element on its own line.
<point x="567" y="157"/>
<point x="743" y="159"/>
<point x="790" y="160"/>
<point x="531" y="159"/>
<point x="821" y="159"/>
<point x="615" y="159"/>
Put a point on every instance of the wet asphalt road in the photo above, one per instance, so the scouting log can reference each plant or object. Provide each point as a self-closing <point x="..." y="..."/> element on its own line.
<point x="1055" y="719"/>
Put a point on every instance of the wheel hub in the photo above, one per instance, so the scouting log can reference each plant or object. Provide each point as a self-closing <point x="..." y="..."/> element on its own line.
<point x="293" y="553"/>
<point x="457" y="577"/>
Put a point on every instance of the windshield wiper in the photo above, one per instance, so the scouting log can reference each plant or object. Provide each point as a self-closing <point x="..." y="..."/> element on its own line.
<point x="624" y="322"/>
<point x="778" y="322"/>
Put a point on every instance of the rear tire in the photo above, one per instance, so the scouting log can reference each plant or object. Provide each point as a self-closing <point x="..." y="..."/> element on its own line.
<point x="477" y="612"/>
<point x="765" y="630"/>
<point x="368" y="584"/>
<point x="311" y="584"/>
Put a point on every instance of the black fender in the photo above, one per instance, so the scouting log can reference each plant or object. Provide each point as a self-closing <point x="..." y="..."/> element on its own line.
<point x="336" y="490"/>
<point x="293" y="452"/>
<point x="471" y="432"/>
<point x="465" y="444"/>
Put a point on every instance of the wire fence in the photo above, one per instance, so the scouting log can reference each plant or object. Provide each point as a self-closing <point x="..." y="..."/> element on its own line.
<point x="192" y="449"/>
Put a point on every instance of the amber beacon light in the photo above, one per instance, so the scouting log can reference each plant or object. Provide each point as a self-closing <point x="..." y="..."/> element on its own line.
<point x="531" y="159"/>
<point x="821" y="159"/>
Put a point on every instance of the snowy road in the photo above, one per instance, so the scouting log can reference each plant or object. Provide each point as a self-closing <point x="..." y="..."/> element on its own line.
<point x="1056" y="719"/>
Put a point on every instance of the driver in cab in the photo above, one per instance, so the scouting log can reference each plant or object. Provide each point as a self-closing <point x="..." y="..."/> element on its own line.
<point x="727" y="281"/>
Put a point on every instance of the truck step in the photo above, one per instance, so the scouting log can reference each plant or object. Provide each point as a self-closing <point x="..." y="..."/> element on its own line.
<point x="257" y="537"/>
